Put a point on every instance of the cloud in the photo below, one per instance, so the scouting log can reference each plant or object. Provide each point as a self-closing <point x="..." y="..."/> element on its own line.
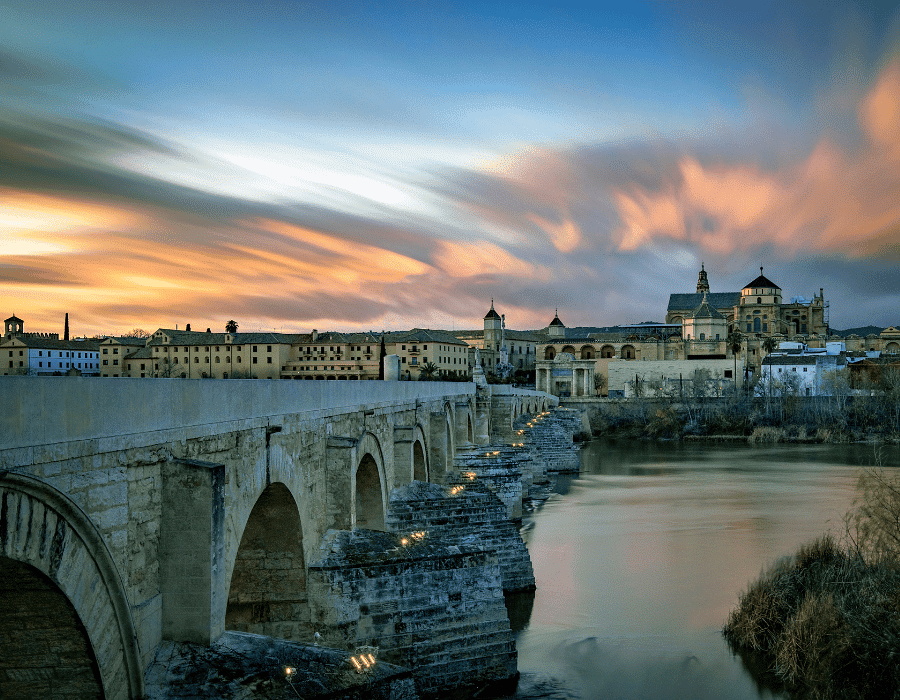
<point x="602" y="231"/>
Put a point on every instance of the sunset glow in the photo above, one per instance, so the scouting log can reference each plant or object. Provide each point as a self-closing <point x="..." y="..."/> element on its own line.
<point x="355" y="169"/>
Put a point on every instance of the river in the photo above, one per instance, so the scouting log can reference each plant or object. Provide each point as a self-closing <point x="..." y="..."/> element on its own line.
<point x="640" y="557"/>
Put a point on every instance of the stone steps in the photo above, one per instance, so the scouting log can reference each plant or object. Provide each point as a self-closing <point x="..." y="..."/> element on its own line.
<point x="549" y="439"/>
<point x="472" y="515"/>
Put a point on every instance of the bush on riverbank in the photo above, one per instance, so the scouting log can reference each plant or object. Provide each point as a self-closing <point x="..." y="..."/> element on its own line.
<point x="757" y="419"/>
<point x="827" y="620"/>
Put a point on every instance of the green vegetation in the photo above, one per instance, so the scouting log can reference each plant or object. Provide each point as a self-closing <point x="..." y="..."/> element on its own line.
<point x="826" y="622"/>
<point x="778" y="416"/>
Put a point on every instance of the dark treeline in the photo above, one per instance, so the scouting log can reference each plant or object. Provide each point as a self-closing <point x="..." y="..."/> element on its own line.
<point x="787" y="418"/>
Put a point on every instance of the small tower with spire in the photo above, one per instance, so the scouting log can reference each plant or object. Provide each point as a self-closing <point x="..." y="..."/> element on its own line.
<point x="556" y="328"/>
<point x="702" y="281"/>
<point x="493" y="328"/>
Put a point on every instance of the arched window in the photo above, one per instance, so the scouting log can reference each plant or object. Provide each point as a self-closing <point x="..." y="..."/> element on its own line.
<point x="757" y="325"/>
<point x="217" y="359"/>
<point x="703" y="336"/>
<point x="759" y="300"/>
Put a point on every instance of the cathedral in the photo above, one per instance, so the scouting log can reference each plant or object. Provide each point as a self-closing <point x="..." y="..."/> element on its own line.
<point x="758" y="309"/>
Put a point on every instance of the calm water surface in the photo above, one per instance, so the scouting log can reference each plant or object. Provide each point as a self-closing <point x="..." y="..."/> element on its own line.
<point x="640" y="558"/>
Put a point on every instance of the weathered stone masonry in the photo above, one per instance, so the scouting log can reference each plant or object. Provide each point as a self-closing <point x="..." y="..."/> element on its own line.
<point x="135" y="498"/>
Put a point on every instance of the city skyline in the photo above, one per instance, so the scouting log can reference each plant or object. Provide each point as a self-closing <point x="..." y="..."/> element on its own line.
<point x="388" y="166"/>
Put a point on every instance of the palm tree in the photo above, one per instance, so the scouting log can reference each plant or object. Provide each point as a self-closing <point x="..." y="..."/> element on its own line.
<point x="769" y="344"/>
<point x="231" y="327"/>
<point x="426" y="374"/>
<point x="734" y="342"/>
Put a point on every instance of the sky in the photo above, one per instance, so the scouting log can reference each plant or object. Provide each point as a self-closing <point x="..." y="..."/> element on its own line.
<point x="389" y="165"/>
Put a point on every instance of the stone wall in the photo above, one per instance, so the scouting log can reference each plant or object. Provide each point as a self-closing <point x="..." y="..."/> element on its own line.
<point x="44" y="649"/>
<point x="433" y="606"/>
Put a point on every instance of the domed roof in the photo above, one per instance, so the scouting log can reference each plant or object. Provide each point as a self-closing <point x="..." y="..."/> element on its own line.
<point x="492" y="314"/>
<point x="556" y="321"/>
<point x="761" y="282"/>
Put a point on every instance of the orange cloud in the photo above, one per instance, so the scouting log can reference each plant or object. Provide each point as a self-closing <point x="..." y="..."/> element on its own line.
<point x="880" y="111"/>
<point x="836" y="199"/>
<point x="482" y="258"/>
<point x="565" y="235"/>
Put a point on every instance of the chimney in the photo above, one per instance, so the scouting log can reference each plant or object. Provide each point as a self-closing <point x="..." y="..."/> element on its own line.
<point x="66" y="330"/>
<point x="315" y="335"/>
<point x="187" y="327"/>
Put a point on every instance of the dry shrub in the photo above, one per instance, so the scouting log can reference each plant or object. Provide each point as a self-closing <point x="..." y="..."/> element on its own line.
<point x="813" y="644"/>
<point x="760" y="615"/>
<point x="767" y="433"/>
<point x="873" y="526"/>
<point x="823" y="435"/>
<point x="823" y="551"/>
<point x="664" y="423"/>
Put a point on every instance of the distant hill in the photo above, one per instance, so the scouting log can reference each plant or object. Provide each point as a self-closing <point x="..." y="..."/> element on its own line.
<point x="861" y="332"/>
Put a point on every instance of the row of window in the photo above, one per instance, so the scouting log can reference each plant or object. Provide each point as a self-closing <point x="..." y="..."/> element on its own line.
<point x="206" y="348"/>
<point x="60" y="353"/>
<point x="66" y="365"/>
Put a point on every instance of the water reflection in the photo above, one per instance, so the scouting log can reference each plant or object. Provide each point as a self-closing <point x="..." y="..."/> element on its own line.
<point x="640" y="558"/>
<point x="519" y="607"/>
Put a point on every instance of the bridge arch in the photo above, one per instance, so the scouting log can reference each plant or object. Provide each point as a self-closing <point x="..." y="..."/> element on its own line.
<point x="419" y="452"/>
<point x="450" y="435"/>
<point x="47" y="537"/>
<point x="268" y="578"/>
<point x="367" y="487"/>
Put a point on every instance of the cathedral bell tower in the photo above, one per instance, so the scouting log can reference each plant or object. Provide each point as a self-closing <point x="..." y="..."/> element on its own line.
<point x="702" y="281"/>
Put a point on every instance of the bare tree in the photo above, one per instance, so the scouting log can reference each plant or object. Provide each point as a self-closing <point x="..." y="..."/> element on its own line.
<point x="137" y="333"/>
<point x="168" y="369"/>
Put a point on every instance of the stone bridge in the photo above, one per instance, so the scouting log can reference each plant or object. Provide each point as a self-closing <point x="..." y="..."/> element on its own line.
<point x="133" y="512"/>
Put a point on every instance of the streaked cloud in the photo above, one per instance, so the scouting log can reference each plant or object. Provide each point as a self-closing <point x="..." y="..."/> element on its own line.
<point x="376" y="189"/>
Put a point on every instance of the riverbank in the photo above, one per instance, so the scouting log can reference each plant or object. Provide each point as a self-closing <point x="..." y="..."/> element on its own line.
<point x="826" y="621"/>
<point x="821" y="420"/>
